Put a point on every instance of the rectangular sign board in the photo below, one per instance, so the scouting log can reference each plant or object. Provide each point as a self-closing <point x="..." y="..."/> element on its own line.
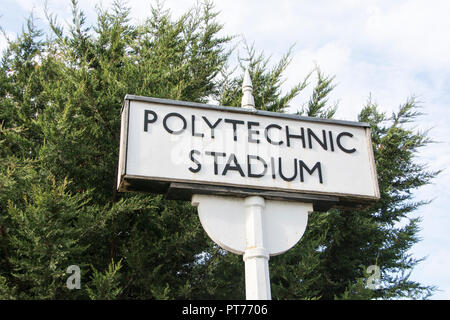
<point x="200" y="148"/>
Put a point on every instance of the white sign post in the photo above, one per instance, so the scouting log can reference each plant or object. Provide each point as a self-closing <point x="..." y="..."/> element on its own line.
<point x="254" y="175"/>
<point x="256" y="228"/>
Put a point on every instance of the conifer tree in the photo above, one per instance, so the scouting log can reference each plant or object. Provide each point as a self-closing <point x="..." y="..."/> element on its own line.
<point x="61" y="96"/>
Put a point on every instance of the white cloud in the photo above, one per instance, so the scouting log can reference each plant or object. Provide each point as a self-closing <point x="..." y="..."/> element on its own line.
<point x="435" y="268"/>
<point x="413" y="30"/>
<point x="4" y="40"/>
<point x="3" y="43"/>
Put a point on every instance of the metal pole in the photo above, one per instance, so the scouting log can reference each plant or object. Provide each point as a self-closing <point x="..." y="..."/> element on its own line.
<point x="256" y="257"/>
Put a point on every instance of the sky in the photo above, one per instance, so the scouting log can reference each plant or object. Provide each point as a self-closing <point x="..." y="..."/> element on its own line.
<point x="386" y="50"/>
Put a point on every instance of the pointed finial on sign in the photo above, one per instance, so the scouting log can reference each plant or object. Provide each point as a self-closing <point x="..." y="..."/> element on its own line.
<point x="247" y="89"/>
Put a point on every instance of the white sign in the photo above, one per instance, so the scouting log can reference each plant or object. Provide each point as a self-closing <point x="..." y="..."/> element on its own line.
<point x="165" y="141"/>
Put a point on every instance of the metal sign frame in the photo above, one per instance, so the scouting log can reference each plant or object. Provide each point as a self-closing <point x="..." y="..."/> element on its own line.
<point x="184" y="189"/>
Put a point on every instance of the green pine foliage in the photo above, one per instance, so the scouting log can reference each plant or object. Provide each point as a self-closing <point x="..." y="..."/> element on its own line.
<point x="105" y="286"/>
<point x="317" y="105"/>
<point x="61" y="95"/>
<point x="267" y="82"/>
